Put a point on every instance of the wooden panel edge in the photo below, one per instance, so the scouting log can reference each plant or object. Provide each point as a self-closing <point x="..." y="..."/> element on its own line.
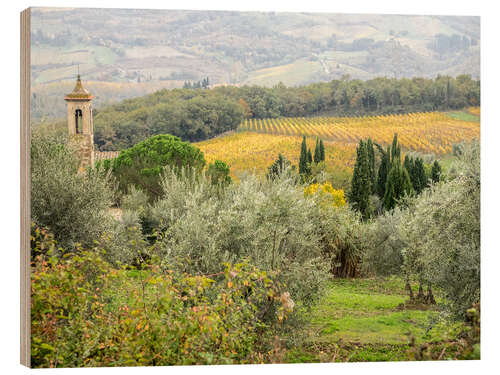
<point x="25" y="341"/>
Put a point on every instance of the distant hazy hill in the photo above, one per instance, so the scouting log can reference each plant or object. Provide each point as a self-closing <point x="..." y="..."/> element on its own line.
<point x="167" y="48"/>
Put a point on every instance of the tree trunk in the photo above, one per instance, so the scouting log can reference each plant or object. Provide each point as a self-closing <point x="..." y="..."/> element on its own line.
<point x="430" y="297"/>
<point x="420" y="295"/>
<point x="408" y="288"/>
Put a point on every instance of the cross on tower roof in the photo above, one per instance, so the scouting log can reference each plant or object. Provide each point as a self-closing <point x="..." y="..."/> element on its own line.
<point x="79" y="93"/>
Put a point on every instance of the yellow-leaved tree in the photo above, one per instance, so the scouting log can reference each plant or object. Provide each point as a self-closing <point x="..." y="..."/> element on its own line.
<point x="327" y="194"/>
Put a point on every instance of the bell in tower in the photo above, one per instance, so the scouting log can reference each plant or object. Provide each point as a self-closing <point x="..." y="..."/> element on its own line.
<point x="80" y="124"/>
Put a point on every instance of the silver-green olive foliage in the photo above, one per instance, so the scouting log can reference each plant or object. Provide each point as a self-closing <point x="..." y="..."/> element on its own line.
<point x="442" y="233"/>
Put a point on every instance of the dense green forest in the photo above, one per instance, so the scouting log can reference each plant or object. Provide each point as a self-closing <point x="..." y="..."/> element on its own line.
<point x="198" y="114"/>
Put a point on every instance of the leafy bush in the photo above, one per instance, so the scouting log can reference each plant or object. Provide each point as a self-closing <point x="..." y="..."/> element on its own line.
<point x="435" y="237"/>
<point x="124" y="244"/>
<point x="86" y="313"/>
<point x="142" y="164"/>
<point x="468" y="345"/>
<point x="218" y="173"/>
<point x="136" y="200"/>
<point x="342" y="239"/>
<point x="72" y="205"/>
<point x="384" y="245"/>
<point x="442" y="233"/>
<point x="269" y="222"/>
<point x="458" y="149"/>
<point x="327" y="194"/>
<point x="279" y="166"/>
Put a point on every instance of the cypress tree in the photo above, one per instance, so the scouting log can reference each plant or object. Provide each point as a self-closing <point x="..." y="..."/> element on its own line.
<point x="303" y="158"/>
<point x="361" y="183"/>
<point x="436" y="172"/>
<point x="278" y="167"/>
<point x="409" y="165"/>
<point x="398" y="184"/>
<point x="395" y="149"/>
<point x="322" y="150"/>
<point x="419" y="175"/>
<point x="389" y="158"/>
<point x="317" y="152"/>
<point x="383" y="171"/>
<point x="309" y="157"/>
<point x="371" y="165"/>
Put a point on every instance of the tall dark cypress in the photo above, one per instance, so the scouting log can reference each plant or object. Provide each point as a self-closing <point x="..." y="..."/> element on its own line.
<point x="359" y="195"/>
<point x="309" y="157"/>
<point x="395" y="149"/>
<point x="409" y="165"/>
<point x="303" y="168"/>
<point x="383" y="171"/>
<point x="322" y="150"/>
<point x="420" y="176"/>
<point x="398" y="185"/>
<point x="389" y="157"/>
<point x="317" y="152"/>
<point x="436" y="172"/>
<point x="354" y="194"/>
<point x="371" y="165"/>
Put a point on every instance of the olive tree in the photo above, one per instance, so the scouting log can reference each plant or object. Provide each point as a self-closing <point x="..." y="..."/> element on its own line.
<point x="73" y="206"/>
<point x="442" y="233"/>
<point x="267" y="221"/>
<point x="383" y="255"/>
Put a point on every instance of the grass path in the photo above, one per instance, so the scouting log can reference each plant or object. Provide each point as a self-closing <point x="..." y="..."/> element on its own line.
<point x="366" y="320"/>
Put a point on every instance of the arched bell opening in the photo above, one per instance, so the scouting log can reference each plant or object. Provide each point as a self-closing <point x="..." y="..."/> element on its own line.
<point x="78" y="121"/>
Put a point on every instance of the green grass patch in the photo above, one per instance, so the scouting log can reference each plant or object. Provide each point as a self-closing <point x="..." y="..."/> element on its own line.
<point x="338" y="302"/>
<point x="367" y="320"/>
<point x="390" y="285"/>
<point x="299" y="355"/>
<point x="446" y="162"/>
<point x="464" y="116"/>
<point x="389" y="328"/>
<point x="379" y="353"/>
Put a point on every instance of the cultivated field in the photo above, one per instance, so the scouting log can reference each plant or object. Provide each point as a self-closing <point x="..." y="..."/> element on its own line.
<point x="256" y="152"/>
<point x="433" y="132"/>
<point x="258" y="142"/>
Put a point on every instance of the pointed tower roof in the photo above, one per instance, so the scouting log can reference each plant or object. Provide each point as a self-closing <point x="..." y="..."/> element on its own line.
<point x="79" y="93"/>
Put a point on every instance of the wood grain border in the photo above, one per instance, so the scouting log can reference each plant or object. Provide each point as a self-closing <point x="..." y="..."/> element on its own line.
<point x="25" y="186"/>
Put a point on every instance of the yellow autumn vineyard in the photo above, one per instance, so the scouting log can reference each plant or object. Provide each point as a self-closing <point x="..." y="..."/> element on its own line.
<point x="432" y="132"/>
<point x="258" y="142"/>
<point x="475" y="110"/>
<point x="255" y="152"/>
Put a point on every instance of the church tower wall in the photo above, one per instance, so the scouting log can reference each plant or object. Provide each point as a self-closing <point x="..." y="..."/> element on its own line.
<point x="80" y="124"/>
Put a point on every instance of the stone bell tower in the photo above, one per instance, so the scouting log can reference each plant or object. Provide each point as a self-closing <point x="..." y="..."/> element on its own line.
<point x="80" y="124"/>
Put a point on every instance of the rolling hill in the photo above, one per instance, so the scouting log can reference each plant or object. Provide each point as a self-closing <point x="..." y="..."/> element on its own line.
<point x="163" y="49"/>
